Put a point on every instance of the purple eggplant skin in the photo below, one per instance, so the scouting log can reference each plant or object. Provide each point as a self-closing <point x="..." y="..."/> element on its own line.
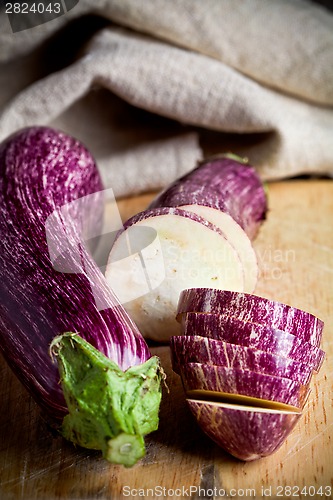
<point x="264" y="338"/>
<point x="246" y="433"/>
<point x="221" y="379"/>
<point x="163" y="211"/>
<point x="224" y="183"/>
<point x="41" y="170"/>
<point x="254" y="309"/>
<point x="209" y="351"/>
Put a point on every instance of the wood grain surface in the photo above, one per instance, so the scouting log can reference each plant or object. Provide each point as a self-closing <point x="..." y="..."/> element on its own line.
<point x="295" y="250"/>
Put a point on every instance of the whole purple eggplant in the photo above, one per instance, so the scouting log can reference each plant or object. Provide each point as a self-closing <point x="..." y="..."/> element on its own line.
<point x="41" y="172"/>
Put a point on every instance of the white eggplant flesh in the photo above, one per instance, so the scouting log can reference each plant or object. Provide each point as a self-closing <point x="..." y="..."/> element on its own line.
<point x="238" y="239"/>
<point x="188" y="251"/>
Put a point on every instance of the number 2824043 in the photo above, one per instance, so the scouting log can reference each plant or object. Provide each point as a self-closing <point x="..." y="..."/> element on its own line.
<point x="34" y="8"/>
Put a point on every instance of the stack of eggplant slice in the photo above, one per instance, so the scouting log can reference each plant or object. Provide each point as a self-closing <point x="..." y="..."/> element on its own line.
<point x="246" y="364"/>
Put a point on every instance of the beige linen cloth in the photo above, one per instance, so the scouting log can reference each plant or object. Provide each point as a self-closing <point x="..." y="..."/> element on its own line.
<point x="163" y="83"/>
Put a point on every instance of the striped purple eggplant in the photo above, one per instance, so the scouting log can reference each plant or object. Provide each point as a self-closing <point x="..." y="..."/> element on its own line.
<point x="210" y="381"/>
<point x="246" y="364"/>
<point x="247" y="433"/>
<point x="265" y="338"/>
<point x="225" y="183"/>
<point x="203" y="224"/>
<point x="43" y="173"/>
<point x="254" y="309"/>
<point x="228" y="194"/>
<point x="195" y="349"/>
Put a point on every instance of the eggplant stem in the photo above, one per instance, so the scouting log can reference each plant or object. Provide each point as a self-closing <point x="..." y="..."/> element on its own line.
<point x="109" y="409"/>
<point x="125" y="449"/>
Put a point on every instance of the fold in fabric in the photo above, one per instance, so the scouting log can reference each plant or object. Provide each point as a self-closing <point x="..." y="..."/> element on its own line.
<point x="143" y="99"/>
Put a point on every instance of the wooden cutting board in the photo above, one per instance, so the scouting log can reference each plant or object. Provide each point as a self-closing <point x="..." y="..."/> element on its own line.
<point x="295" y="250"/>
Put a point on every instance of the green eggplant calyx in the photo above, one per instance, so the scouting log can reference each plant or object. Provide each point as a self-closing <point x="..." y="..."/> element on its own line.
<point x="109" y="409"/>
<point x="235" y="157"/>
